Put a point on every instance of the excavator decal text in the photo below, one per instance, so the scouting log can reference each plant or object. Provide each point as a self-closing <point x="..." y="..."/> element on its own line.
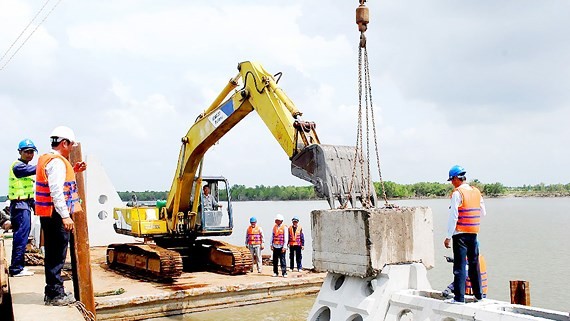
<point x="222" y="113"/>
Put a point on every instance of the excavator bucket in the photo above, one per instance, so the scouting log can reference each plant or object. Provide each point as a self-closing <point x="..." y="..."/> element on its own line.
<point x="330" y="169"/>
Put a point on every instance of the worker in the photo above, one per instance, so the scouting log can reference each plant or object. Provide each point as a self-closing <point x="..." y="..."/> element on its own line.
<point x="21" y="196"/>
<point x="296" y="244"/>
<point x="468" y="289"/>
<point x="56" y="202"/>
<point x="254" y="242"/>
<point x="465" y="213"/>
<point x="210" y="203"/>
<point x="483" y="273"/>
<point x="278" y="246"/>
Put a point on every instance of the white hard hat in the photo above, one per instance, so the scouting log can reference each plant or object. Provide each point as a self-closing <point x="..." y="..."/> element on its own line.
<point x="64" y="132"/>
<point x="279" y="217"/>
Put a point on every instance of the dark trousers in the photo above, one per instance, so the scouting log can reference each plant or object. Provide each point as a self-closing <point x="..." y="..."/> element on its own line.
<point x="20" y="219"/>
<point x="295" y="254"/>
<point x="56" y="241"/>
<point x="465" y="245"/>
<point x="279" y="255"/>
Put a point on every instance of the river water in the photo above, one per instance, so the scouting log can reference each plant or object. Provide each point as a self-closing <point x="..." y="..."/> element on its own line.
<point x="521" y="239"/>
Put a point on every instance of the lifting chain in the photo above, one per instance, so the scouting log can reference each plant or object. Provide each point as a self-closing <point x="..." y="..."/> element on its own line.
<point x="362" y="19"/>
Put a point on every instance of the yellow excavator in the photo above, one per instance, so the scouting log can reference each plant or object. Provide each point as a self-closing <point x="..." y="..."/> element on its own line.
<point x="190" y="212"/>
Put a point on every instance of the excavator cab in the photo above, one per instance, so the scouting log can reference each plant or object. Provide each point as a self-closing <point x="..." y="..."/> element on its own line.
<point x="215" y="209"/>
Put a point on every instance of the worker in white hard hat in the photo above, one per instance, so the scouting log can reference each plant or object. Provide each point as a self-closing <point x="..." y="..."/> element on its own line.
<point x="56" y="201"/>
<point x="278" y="246"/>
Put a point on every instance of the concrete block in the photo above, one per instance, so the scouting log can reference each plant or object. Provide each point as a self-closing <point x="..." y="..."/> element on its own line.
<point x="359" y="242"/>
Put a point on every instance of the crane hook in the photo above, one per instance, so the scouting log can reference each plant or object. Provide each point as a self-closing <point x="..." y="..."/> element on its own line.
<point x="362" y="20"/>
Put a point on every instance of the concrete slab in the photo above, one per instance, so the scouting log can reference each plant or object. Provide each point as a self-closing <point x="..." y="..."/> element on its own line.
<point x="359" y="242"/>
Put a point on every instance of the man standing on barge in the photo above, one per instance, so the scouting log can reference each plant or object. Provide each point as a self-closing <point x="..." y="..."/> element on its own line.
<point x="296" y="244"/>
<point x="465" y="213"/>
<point x="56" y="201"/>
<point x="21" y="195"/>
<point x="254" y="242"/>
<point x="278" y="246"/>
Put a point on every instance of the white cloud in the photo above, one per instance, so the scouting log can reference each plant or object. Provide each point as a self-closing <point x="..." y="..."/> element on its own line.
<point x="131" y="76"/>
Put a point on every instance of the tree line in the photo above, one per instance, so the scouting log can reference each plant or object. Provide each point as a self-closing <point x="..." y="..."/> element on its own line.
<point x="393" y="191"/>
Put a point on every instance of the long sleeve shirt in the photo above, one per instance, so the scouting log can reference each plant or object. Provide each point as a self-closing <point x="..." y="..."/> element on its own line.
<point x="456" y="201"/>
<point x="56" y="171"/>
<point x="21" y="169"/>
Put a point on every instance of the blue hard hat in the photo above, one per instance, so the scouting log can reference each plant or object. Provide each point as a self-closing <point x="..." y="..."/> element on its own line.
<point x="253" y="219"/>
<point x="456" y="171"/>
<point x="26" y="144"/>
<point x="295" y="218"/>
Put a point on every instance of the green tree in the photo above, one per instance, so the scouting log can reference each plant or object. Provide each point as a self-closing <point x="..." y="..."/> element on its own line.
<point x="494" y="189"/>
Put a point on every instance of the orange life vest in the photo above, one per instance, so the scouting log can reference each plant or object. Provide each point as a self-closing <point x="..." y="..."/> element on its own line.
<point x="469" y="211"/>
<point x="253" y="235"/>
<point x="278" y="235"/>
<point x="44" y="202"/>
<point x="483" y="271"/>
<point x="295" y="237"/>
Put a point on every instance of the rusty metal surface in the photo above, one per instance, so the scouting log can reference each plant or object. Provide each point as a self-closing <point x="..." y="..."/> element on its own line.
<point x="203" y="291"/>
<point x="192" y="291"/>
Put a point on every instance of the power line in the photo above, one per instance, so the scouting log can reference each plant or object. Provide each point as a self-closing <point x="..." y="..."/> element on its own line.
<point x="30" y="35"/>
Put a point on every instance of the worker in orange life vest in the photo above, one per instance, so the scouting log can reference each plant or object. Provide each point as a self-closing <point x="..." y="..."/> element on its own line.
<point x="468" y="289"/>
<point x="465" y="213"/>
<point x="254" y="242"/>
<point x="278" y="246"/>
<point x="56" y="201"/>
<point x="296" y="244"/>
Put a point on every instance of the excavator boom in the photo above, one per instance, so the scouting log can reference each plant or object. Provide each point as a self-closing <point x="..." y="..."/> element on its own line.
<point x="329" y="168"/>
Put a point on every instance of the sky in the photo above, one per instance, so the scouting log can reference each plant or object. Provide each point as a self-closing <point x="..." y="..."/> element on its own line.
<point x="483" y="84"/>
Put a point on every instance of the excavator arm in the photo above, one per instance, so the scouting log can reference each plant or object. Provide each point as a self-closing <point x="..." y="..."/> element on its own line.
<point x="328" y="168"/>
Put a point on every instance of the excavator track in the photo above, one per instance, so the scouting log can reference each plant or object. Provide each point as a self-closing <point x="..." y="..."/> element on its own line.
<point x="145" y="261"/>
<point x="225" y="258"/>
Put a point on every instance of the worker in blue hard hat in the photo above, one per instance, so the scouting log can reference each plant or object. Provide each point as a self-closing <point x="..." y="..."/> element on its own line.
<point x="254" y="242"/>
<point x="465" y="213"/>
<point x="21" y="191"/>
<point x="296" y="244"/>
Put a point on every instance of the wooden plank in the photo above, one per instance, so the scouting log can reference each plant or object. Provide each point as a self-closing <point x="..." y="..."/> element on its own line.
<point x="81" y="241"/>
